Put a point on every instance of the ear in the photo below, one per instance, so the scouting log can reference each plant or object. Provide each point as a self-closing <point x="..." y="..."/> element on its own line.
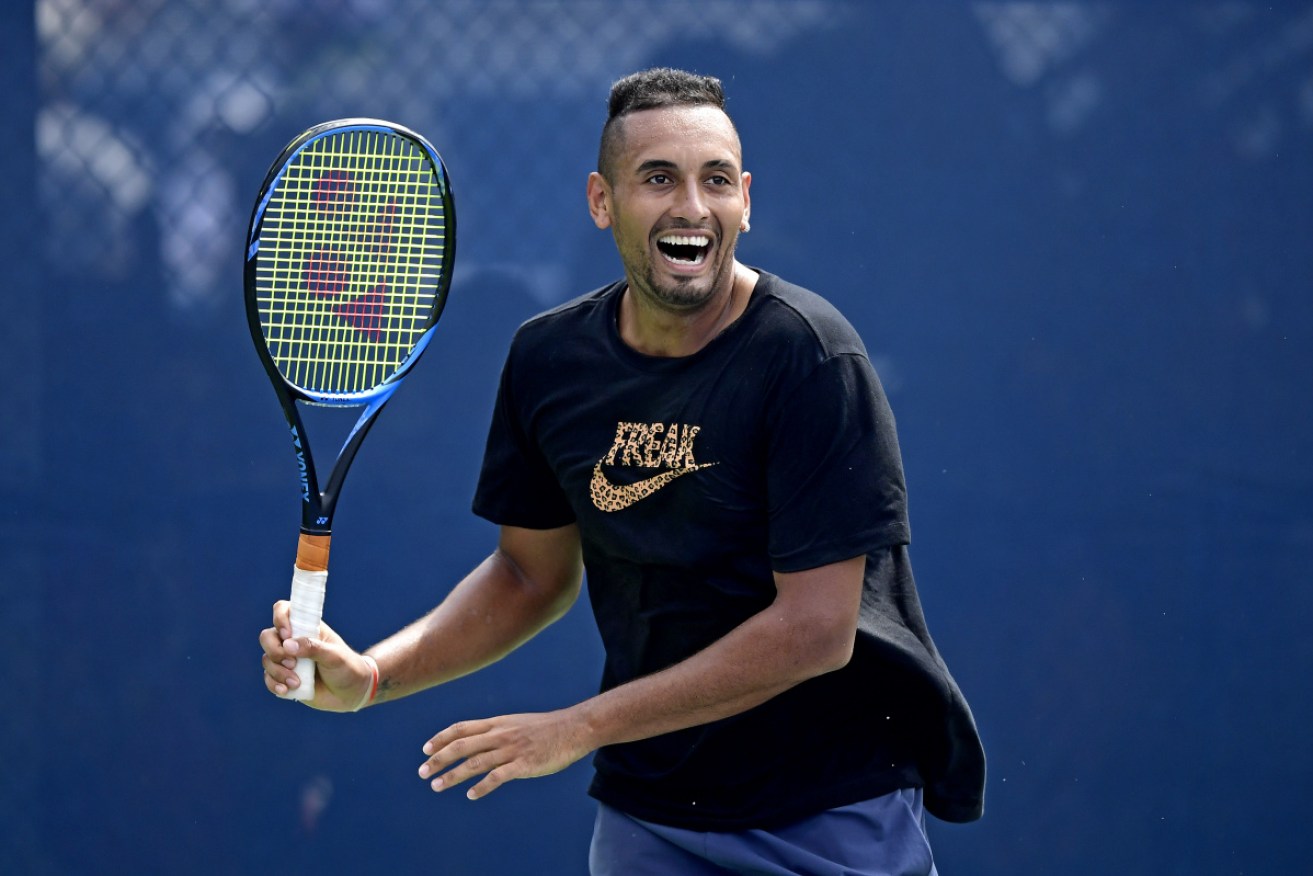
<point x="599" y="200"/>
<point x="747" y="201"/>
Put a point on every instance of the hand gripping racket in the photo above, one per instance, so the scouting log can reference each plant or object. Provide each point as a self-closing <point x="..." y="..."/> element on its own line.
<point x="348" y="262"/>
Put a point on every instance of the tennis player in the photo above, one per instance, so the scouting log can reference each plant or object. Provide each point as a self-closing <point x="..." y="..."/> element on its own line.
<point x="712" y="446"/>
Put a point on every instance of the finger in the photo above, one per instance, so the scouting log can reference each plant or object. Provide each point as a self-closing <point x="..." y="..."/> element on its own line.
<point x="465" y="741"/>
<point x="446" y="756"/>
<point x="272" y="643"/>
<point x="457" y="731"/>
<point x="328" y="655"/>
<point x="492" y="781"/>
<point x="280" y="671"/>
<point x="475" y="765"/>
<point x="282" y="618"/>
<point x="277" y="678"/>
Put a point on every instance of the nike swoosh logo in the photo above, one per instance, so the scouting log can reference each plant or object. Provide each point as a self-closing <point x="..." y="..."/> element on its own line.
<point x="610" y="497"/>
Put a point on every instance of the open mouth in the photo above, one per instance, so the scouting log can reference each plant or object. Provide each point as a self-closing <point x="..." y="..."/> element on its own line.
<point x="684" y="249"/>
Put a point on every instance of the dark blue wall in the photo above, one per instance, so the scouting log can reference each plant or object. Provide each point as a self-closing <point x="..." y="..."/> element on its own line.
<point x="1078" y="241"/>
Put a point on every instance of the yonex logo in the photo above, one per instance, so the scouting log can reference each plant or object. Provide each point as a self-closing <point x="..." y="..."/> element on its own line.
<point x="300" y="464"/>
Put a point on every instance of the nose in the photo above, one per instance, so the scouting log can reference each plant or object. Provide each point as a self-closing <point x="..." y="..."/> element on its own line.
<point x="690" y="204"/>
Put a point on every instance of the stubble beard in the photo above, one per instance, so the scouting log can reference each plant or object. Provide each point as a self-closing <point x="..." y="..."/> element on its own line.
<point x="682" y="295"/>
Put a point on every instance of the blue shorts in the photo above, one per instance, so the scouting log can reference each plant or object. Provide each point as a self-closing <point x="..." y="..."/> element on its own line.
<point x="880" y="837"/>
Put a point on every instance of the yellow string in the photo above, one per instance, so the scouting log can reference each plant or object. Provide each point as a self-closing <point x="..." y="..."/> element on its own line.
<point x="385" y="230"/>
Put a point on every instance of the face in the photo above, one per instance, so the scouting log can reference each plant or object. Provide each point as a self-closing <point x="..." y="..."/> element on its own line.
<point x="675" y="204"/>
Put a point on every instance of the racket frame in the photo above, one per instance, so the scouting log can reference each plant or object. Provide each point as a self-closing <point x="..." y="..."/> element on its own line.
<point x="318" y="504"/>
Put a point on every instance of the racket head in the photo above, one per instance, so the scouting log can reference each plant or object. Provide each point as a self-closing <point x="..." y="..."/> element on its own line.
<point x="349" y="258"/>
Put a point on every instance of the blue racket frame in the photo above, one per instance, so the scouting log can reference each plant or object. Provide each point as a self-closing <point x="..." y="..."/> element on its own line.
<point x="318" y="504"/>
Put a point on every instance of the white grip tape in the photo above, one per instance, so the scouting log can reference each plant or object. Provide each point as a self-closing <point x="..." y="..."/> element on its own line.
<point x="307" y="609"/>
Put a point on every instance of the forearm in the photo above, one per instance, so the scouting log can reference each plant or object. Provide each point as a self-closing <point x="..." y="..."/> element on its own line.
<point x="808" y="630"/>
<point x="491" y="612"/>
<point x="763" y="657"/>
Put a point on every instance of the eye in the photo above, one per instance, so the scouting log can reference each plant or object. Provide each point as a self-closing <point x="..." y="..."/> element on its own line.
<point x="659" y="179"/>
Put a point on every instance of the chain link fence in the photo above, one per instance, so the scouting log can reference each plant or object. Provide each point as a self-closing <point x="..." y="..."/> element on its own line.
<point x="156" y="114"/>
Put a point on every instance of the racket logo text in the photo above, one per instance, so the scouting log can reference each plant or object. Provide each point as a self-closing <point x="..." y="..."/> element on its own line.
<point x="301" y="465"/>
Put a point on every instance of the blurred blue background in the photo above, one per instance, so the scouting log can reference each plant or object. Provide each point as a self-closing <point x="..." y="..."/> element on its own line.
<point x="1077" y="238"/>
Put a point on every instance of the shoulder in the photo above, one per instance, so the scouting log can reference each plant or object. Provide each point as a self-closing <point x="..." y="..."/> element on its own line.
<point x="578" y="317"/>
<point x="803" y="317"/>
<point x="580" y="309"/>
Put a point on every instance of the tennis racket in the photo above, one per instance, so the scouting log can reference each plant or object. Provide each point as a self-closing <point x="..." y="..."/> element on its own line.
<point x="348" y="261"/>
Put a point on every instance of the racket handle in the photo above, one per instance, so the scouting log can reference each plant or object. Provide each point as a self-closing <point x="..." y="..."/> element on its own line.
<point x="309" y="577"/>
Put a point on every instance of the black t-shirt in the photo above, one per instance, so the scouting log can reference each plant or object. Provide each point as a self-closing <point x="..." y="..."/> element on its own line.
<point x="692" y="480"/>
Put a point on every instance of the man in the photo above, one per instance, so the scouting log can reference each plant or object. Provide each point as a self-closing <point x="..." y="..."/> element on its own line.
<point x="712" y="445"/>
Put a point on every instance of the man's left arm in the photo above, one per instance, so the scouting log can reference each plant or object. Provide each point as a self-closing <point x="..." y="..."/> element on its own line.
<point x="808" y="630"/>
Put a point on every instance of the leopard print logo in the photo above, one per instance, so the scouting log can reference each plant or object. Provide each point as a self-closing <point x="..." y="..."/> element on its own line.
<point x="644" y="445"/>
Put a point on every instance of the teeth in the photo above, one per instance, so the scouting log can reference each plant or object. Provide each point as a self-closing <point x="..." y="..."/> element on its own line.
<point x="680" y="240"/>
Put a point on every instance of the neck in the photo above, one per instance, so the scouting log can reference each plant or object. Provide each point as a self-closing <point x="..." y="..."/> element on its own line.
<point x="656" y="331"/>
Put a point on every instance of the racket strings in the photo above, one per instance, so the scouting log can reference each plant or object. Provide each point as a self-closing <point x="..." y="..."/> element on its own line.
<point x="352" y="248"/>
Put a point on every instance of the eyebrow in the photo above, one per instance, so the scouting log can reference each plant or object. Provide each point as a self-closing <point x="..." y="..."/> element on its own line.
<point x="666" y="164"/>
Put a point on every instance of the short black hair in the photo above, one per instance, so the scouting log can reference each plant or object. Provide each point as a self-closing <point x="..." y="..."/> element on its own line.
<point x="652" y="89"/>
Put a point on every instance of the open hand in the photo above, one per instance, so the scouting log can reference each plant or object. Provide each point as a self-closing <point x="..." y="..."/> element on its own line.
<point x="502" y="749"/>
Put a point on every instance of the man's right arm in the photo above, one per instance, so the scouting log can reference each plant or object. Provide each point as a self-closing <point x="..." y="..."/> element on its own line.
<point x="530" y="580"/>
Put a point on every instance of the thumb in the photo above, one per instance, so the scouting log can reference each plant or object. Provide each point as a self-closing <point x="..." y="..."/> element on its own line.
<point x="337" y="675"/>
<point x="324" y="652"/>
